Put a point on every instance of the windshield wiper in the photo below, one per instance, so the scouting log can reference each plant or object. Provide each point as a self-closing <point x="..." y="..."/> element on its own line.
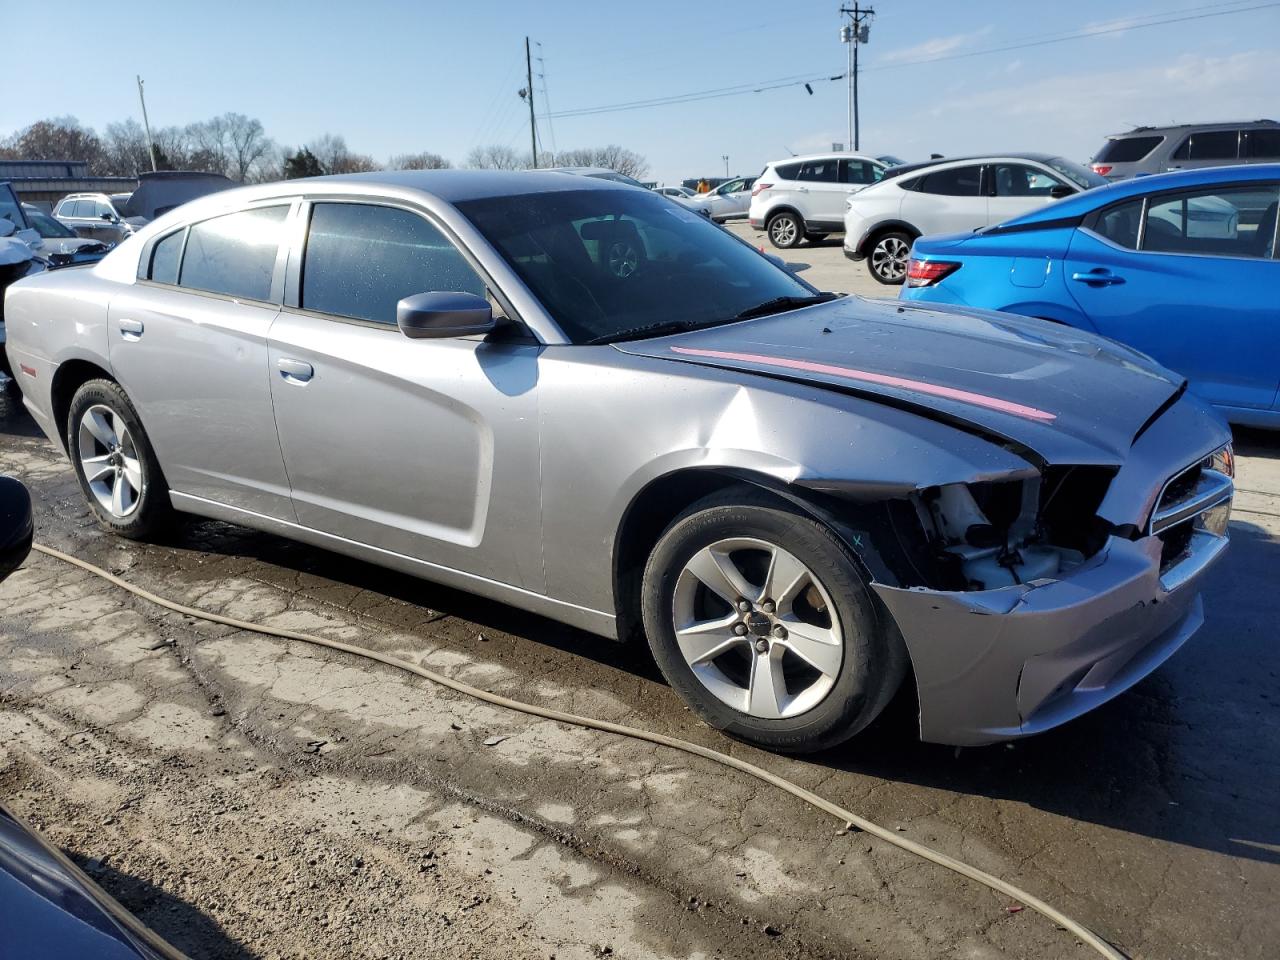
<point x="782" y="304"/>
<point x="658" y="329"/>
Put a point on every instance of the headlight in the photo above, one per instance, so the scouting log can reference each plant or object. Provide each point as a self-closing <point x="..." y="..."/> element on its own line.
<point x="1223" y="461"/>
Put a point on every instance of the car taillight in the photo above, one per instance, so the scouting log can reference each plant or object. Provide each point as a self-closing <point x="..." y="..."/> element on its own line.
<point x="759" y="187"/>
<point x="1101" y="169"/>
<point x="925" y="273"/>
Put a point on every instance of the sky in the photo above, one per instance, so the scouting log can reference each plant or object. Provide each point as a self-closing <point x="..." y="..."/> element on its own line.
<point x="398" y="77"/>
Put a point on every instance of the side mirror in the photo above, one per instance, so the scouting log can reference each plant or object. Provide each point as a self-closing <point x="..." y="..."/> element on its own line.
<point x="1061" y="191"/>
<point x="108" y="217"/>
<point x="7" y="227"/>
<point x="17" y="528"/>
<point x="436" y="315"/>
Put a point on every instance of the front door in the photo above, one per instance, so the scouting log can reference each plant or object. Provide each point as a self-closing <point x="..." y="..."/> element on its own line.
<point x="1192" y="283"/>
<point x="424" y="448"/>
<point x="189" y="346"/>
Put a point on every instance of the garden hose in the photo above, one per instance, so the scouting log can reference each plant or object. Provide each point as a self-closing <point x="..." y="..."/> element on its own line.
<point x="847" y="817"/>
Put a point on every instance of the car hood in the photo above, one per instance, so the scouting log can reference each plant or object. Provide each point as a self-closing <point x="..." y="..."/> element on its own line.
<point x="1064" y="395"/>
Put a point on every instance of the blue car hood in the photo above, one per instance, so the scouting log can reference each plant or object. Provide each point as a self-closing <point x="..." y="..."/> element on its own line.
<point x="1063" y="394"/>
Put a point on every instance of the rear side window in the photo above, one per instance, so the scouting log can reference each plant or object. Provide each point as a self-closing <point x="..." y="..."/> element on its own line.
<point x="1211" y="145"/>
<point x="819" y="171"/>
<point x="955" y="182"/>
<point x="165" y="256"/>
<point x="1120" y="223"/>
<point x="1216" y="221"/>
<point x="234" y="254"/>
<point x="789" y="171"/>
<point x="1127" y="149"/>
<point x="1263" y="144"/>
<point x="362" y="259"/>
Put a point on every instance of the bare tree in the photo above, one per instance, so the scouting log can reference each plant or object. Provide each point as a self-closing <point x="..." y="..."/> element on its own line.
<point x="124" y="150"/>
<point x="496" y="158"/>
<point x="612" y="157"/>
<point x="59" y="138"/>
<point x="247" y="144"/>
<point x="336" y="157"/>
<point x="418" y="161"/>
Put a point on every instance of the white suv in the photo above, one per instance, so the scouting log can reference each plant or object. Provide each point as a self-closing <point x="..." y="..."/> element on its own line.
<point x="951" y="196"/>
<point x="803" y="198"/>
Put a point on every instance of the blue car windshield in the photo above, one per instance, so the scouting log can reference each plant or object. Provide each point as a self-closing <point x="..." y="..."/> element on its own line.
<point x="609" y="263"/>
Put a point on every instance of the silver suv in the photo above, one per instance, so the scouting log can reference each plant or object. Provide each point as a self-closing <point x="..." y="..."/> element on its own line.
<point x="1146" y="150"/>
<point x="93" y="215"/>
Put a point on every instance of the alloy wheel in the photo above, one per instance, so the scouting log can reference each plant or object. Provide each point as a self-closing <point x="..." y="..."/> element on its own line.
<point x="757" y="628"/>
<point x="889" y="258"/>
<point x="109" y="461"/>
<point x="783" y="231"/>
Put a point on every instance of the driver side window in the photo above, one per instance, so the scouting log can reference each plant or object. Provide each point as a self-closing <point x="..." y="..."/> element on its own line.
<point x="362" y="259"/>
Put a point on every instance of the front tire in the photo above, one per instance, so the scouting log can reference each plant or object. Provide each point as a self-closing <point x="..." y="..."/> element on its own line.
<point x="760" y="618"/>
<point x="888" y="259"/>
<point x="117" y="469"/>
<point x="785" y="230"/>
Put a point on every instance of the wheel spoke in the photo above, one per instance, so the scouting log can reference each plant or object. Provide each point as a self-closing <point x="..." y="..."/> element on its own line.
<point x="817" y="646"/>
<point x="133" y="474"/>
<point x="705" y="640"/>
<point x="767" y="695"/>
<point x="95" y="468"/>
<point x="117" y="495"/>
<point x="786" y="574"/>
<point x="101" y="430"/>
<point x="716" y="571"/>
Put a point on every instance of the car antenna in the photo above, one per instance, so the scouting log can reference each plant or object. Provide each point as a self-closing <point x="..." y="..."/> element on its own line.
<point x="789" y="150"/>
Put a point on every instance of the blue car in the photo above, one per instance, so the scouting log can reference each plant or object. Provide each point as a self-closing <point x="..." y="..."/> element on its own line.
<point x="1182" y="266"/>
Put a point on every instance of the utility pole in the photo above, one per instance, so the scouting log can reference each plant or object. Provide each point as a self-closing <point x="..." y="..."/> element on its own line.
<point x="151" y="147"/>
<point x="855" y="33"/>
<point x="533" y="126"/>
<point x="725" y="158"/>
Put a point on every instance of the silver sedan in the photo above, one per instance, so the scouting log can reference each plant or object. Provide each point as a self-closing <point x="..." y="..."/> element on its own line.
<point x="576" y="397"/>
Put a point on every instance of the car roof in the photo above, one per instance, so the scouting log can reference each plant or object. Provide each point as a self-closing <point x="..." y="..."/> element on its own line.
<point x="456" y="186"/>
<point x="829" y="154"/>
<point x="894" y="172"/>
<point x="1090" y="200"/>
<point x="1173" y="127"/>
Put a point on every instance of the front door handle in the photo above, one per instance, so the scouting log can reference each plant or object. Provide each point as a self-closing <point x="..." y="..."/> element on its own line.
<point x="1097" y="277"/>
<point x="295" y="371"/>
<point x="131" y="329"/>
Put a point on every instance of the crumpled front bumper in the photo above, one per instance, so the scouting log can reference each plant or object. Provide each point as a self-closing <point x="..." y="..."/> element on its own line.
<point x="998" y="664"/>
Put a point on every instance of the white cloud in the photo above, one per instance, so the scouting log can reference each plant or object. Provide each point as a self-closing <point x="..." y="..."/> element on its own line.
<point x="936" y="47"/>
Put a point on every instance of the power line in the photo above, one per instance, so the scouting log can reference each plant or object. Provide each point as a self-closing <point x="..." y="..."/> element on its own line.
<point x="799" y="81"/>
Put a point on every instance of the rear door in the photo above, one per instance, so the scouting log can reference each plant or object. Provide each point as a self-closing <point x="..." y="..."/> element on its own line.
<point x="1206" y="148"/>
<point x="1017" y="188"/>
<point x="188" y="342"/>
<point x="949" y="200"/>
<point x="424" y="448"/>
<point x="1189" y="277"/>
<point x="821" y="194"/>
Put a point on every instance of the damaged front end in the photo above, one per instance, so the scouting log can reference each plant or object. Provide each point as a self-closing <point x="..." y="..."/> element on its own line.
<point x="1028" y="608"/>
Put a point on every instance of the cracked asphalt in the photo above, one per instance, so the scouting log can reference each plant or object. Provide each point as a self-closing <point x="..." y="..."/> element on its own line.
<point x="248" y="797"/>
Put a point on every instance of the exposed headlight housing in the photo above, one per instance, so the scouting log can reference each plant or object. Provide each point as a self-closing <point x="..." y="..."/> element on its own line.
<point x="1222" y="460"/>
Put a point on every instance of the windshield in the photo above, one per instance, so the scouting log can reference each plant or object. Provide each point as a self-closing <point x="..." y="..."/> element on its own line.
<point x="604" y="262"/>
<point x="46" y="226"/>
<point x="1082" y="177"/>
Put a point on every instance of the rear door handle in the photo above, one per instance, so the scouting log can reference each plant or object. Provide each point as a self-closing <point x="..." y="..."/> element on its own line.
<point x="131" y="329"/>
<point x="1097" y="277"/>
<point x="295" y="371"/>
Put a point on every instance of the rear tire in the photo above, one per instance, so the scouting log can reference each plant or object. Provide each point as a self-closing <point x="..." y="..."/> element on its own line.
<point x="887" y="261"/>
<point x="785" y="230"/>
<point x="115" y="464"/>
<point x="813" y="665"/>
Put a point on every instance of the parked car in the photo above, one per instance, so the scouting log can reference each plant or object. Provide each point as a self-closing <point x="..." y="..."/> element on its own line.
<point x="1181" y="266"/>
<point x="597" y="173"/>
<point x="94" y="216"/>
<point x="794" y="495"/>
<point x="18" y="242"/>
<point x="889" y="160"/>
<point x="1187" y="146"/>
<point x="963" y="193"/>
<point x="12" y="211"/>
<point x="59" y="242"/>
<point x="162" y="191"/>
<point x="729" y="201"/>
<point x="675" y="193"/>
<point x="802" y="198"/>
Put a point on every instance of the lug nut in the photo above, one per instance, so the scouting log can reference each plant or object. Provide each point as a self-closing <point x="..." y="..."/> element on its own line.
<point x="744" y="605"/>
<point x="767" y="606"/>
<point x="762" y="645"/>
<point x="740" y="629"/>
<point x="780" y="632"/>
